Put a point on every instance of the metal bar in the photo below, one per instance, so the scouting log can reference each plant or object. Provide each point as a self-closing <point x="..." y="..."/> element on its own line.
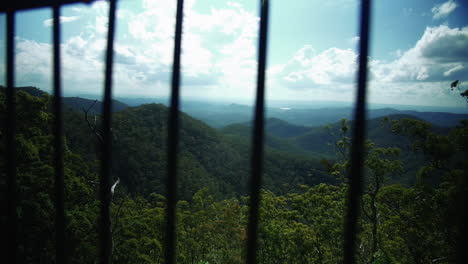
<point x="357" y="145"/>
<point x="106" y="145"/>
<point x="173" y="141"/>
<point x="58" y="142"/>
<point x="462" y="239"/>
<point x="10" y="128"/>
<point x="30" y="4"/>
<point x="258" y="138"/>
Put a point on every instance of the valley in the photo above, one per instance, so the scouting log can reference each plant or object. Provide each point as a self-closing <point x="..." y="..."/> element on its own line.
<point x="412" y="171"/>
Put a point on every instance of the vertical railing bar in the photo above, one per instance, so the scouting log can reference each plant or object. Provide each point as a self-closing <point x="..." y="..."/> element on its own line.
<point x="58" y="142"/>
<point x="257" y="139"/>
<point x="462" y="239"/>
<point x="106" y="145"/>
<point x="10" y="129"/>
<point x="357" y="145"/>
<point x="173" y="141"/>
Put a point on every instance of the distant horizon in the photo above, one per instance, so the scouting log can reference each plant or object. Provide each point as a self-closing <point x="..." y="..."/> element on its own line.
<point x="297" y="104"/>
<point x="274" y="103"/>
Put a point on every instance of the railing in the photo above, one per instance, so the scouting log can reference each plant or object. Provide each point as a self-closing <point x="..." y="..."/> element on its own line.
<point x="357" y="149"/>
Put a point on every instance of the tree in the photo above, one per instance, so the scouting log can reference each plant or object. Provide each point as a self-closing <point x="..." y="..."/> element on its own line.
<point x="455" y="86"/>
<point x="36" y="232"/>
<point x="442" y="182"/>
<point x="379" y="164"/>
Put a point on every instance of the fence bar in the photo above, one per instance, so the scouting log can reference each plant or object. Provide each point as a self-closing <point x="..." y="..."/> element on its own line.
<point x="173" y="142"/>
<point x="357" y="144"/>
<point x="29" y="4"/>
<point x="257" y="139"/>
<point x="58" y="132"/>
<point x="106" y="144"/>
<point x="462" y="239"/>
<point x="10" y="128"/>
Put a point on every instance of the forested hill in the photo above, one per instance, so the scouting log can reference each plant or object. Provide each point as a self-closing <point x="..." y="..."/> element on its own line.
<point x="219" y="160"/>
<point x="75" y="103"/>
<point x="320" y="142"/>
<point x="206" y="157"/>
<point x="317" y="141"/>
<point x="303" y="200"/>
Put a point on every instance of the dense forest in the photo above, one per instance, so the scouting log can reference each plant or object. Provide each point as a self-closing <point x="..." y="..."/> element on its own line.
<point x="409" y="208"/>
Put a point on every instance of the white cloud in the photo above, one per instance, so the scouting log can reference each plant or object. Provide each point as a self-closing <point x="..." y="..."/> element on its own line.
<point x="415" y="75"/>
<point x="423" y="73"/>
<point x="454" y="69"/>
<point x="33" y="63"/>
<point x="77" y="9"/>
<point x="101" y="24"/>
<point x="219" y="58"/>
<point x="218" y="51"/>
<point x="63" y="19"/>
<point x="309" y="69"/>
<point x="354" y="40"/>
<point x="440" y="54"/>
<point x="443" y="10"/>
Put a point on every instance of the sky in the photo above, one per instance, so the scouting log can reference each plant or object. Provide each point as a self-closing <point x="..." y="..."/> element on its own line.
<point x="418" y="48"/>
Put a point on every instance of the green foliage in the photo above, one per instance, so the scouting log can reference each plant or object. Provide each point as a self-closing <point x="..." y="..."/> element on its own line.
<point x="302" y="206"/>
<point x="35" y="180"/>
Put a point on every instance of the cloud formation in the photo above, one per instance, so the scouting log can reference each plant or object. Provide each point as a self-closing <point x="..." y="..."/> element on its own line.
<point x="440" y="54"/>
<point x="443" y="10"/>
<point x="63" y="19"/>
<point x="218" y="51"/>
<point x="219" y="58"/>
<point x="307" y="68"/>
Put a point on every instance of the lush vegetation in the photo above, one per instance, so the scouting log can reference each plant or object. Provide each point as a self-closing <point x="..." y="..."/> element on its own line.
<point x="409" y="215"/>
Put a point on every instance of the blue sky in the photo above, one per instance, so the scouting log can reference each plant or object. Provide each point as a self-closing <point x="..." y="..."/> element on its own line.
<point x="418" y="47"/>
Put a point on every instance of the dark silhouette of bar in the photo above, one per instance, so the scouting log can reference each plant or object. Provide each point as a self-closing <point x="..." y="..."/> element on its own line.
<point x="257" y="139"/>
<point x="10" y="128"/>
<point x="60" y="245"/>
<point x="173" y="142"/>
<point x="30" y="4"/>
<point x="358" y="138"/>
<point x="105" y="230"/>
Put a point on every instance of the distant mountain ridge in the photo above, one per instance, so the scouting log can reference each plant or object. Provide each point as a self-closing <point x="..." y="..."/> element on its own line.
<point x="319" y="142"/>
<point x="76" y="103"/>
<point x="438" y="118"/>
<point x="220" y="114"/>
<point x="285" y="136"/>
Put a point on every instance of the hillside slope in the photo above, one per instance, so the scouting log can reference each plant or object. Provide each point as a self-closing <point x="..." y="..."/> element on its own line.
<point x="319" y="142"/>
<point x="206" y="157"/>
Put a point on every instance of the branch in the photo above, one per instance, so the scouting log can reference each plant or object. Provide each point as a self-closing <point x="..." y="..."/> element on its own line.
<point x="93" y="182"/>
<point x="363" y="209"/>
<point x="92" y="127"/>
<point x="438" y="259"/>
<point x="113" y="186"/>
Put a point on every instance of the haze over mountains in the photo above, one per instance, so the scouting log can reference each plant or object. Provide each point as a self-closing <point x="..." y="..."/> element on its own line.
<point x="222" y="113"/>
<point x="310" y="114"/>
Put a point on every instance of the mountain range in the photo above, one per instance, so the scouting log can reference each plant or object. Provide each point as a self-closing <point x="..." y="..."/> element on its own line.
<point x="218" y="157"/>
